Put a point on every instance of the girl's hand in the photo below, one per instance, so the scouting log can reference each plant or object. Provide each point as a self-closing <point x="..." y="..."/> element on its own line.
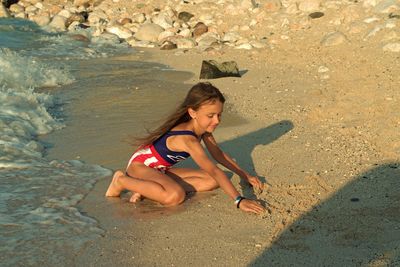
<point x="255" y="182"/>
<point x="249" y="205"/>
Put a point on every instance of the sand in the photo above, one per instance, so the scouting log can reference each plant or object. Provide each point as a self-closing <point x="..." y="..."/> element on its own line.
<point x="325" y="143"/>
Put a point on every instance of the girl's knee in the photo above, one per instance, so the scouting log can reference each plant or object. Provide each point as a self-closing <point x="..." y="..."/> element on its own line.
<point x="211" y="184"/>
<point x="174" y="198"/>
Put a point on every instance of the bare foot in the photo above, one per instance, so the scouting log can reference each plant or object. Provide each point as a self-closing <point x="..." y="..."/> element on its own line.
<point x="114" y="190"/>
<point x="135" y="197"/>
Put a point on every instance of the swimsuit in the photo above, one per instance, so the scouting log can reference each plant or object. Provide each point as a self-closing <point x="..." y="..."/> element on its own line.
<point x="157" y="155"/>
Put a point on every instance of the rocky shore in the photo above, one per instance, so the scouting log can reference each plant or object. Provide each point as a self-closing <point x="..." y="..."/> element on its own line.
<point x="212" y="25"/>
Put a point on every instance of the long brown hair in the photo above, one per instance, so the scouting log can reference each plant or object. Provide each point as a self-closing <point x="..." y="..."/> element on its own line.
<point x="198" y="95"/>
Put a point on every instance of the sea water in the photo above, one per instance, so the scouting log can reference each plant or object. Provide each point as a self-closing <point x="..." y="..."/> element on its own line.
<point x="39" y="221"/>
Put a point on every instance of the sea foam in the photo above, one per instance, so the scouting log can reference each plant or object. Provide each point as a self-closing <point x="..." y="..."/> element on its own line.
<point x="39" y="221"/>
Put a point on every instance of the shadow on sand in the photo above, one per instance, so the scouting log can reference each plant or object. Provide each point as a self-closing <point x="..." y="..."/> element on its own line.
<point x="242" y="147"/>
<point x="359" y="225"/>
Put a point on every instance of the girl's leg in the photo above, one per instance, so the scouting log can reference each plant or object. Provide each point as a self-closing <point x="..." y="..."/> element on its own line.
<point x="193" y="180"/>
<point x="148" y="182"/>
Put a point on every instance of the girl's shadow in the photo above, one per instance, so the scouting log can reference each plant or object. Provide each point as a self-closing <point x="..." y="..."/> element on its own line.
<point x="242" y="147"/>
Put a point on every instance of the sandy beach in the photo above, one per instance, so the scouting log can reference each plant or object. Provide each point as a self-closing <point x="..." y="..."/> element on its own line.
<point x="318" y="124"/>
<point x="326" y="149"/>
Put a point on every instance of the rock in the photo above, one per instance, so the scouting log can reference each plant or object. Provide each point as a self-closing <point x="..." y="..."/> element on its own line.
<point x="316" y="15"/>
<point x="167" y="45"/>
<point x="39" y="5"/>
<point x="185" y="16"/>
<point x="199" y="29"/>
<point x="149" y="32"/>
<point x="15" y="8"/>
<point x="163" y="20"/>
<point x="394" y="16"/>
<point x="369" y="3"/>
<point x="231" y="37"/>
<point x="84" y="3"/>
<point x="183" y="43"/>
<point x="247" y="4"/>
<point x="97" y="17"/>
<point x="20" y="15"/>
<point x="392" y="47"/>
<point x="139" y="18"/>
<point x="333" y="38"/>
<point x="211" y="69"/>
<point x="257" y="44"/>
<point x="54" y="9"/>
<point x="185" y="33"/>
<point x="373" y="32"/>
<point x="41" y="20"/>
<point x="309" y="5"/>
<point x="65" y="13"/>
<point x="165" y="35"/>
<point x="135" y="43"/>
<point x="271" y="5"/>
<point x="106" y="37"/>
<point x="246" y="46"/>
<point x="31" y="9"/>
<point x="125" y="21"/>
<point x="207" y="19"/>
<point x="58" y="23"/>
<point x="83" y="26"/>
<point x="242" y="41"/>
<point x="4" y="12"/>
<point x="208" y="40"/>
<point x="75" y="18"/>
<point x="322" y="69"/>
<point x="371" y="20"/>
<point x="387" y="6"/>
<point x="119" y="31"/>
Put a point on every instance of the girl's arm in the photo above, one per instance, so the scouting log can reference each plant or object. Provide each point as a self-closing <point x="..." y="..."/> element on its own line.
<point x="228" y="162"/>
<point x="196" y="151"/>
<point x="198" y="154"/>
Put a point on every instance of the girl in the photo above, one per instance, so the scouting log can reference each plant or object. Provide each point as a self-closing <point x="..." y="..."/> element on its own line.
<point x="150" y="173"/>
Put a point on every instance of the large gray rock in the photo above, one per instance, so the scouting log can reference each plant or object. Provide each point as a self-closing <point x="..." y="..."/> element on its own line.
<point x="149" y="32"/>
<point x="211" y="69"/>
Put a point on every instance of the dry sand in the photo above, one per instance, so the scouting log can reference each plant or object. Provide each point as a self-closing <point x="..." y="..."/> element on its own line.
<point x="326" y="143"/>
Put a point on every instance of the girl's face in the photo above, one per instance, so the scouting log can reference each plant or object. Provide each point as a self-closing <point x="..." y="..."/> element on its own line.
<point x="207" y="117"/>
